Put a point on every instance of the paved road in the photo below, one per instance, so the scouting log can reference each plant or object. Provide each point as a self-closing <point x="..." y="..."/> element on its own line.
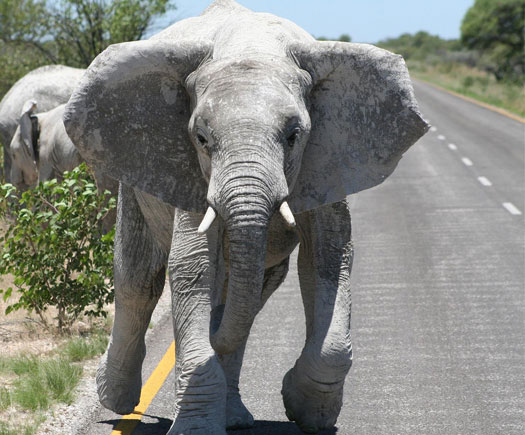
<point x="438" y="294"/>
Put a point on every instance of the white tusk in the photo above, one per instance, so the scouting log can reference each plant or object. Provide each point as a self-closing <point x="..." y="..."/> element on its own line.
<point x="209" y="217"/>
<point x="287" y="214"/>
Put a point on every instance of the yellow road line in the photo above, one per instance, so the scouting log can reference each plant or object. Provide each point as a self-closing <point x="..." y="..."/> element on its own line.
<point x="149" y="391"/>
<point x="480" y="103"/>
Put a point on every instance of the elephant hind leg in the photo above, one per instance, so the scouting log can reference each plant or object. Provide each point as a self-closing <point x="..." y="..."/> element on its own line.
<point x="237" y="415"/>
<point x="140" y="274"/>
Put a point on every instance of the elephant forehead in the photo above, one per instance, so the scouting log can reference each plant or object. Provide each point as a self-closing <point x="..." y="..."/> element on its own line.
<point x="249" y="89"/>
<point x="262" y="74"/>
<point x="269" y="109"/>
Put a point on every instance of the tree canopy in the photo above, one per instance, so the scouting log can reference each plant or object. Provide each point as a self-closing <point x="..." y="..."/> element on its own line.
<point x="70" y="32"/>
<point x="496" y="29"/>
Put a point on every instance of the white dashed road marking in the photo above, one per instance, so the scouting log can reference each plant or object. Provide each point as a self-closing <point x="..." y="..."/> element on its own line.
<point x="485" y="181"/>
<point x="511" y="208"/>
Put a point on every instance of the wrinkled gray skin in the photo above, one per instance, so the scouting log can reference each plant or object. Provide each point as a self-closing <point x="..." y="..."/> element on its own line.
<point x="238" y="111"/>
<point x="49" y="85"/>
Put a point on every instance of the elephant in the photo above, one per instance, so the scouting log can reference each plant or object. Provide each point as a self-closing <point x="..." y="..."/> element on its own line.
<point x="237" y="137"/>
<point x="50" y="85"/>
<point x="41" y="149"/>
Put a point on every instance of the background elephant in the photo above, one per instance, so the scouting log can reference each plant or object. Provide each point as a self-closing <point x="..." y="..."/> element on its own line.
<point x="238" y="115"/>
<point x="41" y="150"/>
<point x="49" y="85"/>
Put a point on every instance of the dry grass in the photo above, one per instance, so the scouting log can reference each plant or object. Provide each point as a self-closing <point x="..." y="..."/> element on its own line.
<point x="473" y="83"/>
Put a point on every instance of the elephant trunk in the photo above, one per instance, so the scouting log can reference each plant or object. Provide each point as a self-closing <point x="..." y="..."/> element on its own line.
<point x="246" y="203"/>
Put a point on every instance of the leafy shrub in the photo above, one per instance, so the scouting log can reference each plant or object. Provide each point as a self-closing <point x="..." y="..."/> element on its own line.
<point x="56" y="249"/>
<point x="468" y="81"/>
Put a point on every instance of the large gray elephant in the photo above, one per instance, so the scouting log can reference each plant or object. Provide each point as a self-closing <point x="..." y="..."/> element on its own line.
<point x="237" y="136"/>
<point x="49" y="85"/>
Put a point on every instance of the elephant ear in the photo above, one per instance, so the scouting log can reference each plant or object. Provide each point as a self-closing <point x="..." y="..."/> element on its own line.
<point x="27" y="123"/>
<point x="364" y="117"/>
<point x="129" y="119"/>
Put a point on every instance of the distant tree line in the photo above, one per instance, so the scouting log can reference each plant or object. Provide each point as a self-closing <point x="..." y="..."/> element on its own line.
<point x="345" y="37"/>
<point x="492" y="39"/>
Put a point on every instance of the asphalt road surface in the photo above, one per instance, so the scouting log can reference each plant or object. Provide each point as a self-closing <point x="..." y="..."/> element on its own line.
<point x="438" y="295"/>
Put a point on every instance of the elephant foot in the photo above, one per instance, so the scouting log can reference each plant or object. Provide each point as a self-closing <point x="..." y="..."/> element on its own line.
<point x="201" y="398"/>
<point x="237" y="415"/>
<point x="313" y="406"/>
<point x="118" y="390"/>
<point x="196" y="426"/>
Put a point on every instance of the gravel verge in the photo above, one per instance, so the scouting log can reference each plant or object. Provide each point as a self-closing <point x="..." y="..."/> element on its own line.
<point x="72" y="419"/>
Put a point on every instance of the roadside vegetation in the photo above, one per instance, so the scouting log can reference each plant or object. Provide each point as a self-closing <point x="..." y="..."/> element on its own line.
<point x="55" y="248"/>
<point x="488" y="61"/>
<point x="55" y="261"/>
<point x="59" y="262"/>
<point x="31" y="384"/>
<point x="472" y="82"/>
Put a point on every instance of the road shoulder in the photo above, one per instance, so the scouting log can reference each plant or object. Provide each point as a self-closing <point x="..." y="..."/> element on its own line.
<point x="75" y="418"/>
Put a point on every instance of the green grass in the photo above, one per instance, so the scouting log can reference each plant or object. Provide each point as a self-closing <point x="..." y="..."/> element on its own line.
<point x="5" y="399"/>
<point x="5" y="429"/>
<point x="41" y="383"/>
<point x="80" y="348"/>
<point x="472" y="83"/>
<point x="37" y="383"/>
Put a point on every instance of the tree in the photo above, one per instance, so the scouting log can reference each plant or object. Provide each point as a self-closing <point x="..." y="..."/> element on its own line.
<point x="496" y="29"/>
<point x="23" y="23"/>
<point x="74" y="32"/>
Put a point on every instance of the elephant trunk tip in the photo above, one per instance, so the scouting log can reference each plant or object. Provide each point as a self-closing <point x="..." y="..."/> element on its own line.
<point x="222" y="341"/>
<point x="223" y="346"/>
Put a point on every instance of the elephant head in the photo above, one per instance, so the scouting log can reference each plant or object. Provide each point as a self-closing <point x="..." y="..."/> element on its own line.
<point x="24" y="147"/>
<point x="245" y="136"/>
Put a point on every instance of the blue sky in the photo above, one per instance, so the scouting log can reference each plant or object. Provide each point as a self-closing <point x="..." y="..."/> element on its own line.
<point x="363" y="20"/>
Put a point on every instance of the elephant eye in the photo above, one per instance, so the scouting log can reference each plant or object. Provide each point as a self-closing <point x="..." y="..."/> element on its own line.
<point x="202" y="140"/>
<point x="292" y="139"/>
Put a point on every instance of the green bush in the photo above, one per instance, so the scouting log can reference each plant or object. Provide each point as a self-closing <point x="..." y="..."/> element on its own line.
<point x="56" y="249"/>
<point x="468" y="81"/>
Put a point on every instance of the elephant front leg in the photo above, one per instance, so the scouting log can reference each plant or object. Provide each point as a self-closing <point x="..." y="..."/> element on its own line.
<point x="200" y="406"/>
<point x="313" y="388"/>
<point x="139" y="269"/>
